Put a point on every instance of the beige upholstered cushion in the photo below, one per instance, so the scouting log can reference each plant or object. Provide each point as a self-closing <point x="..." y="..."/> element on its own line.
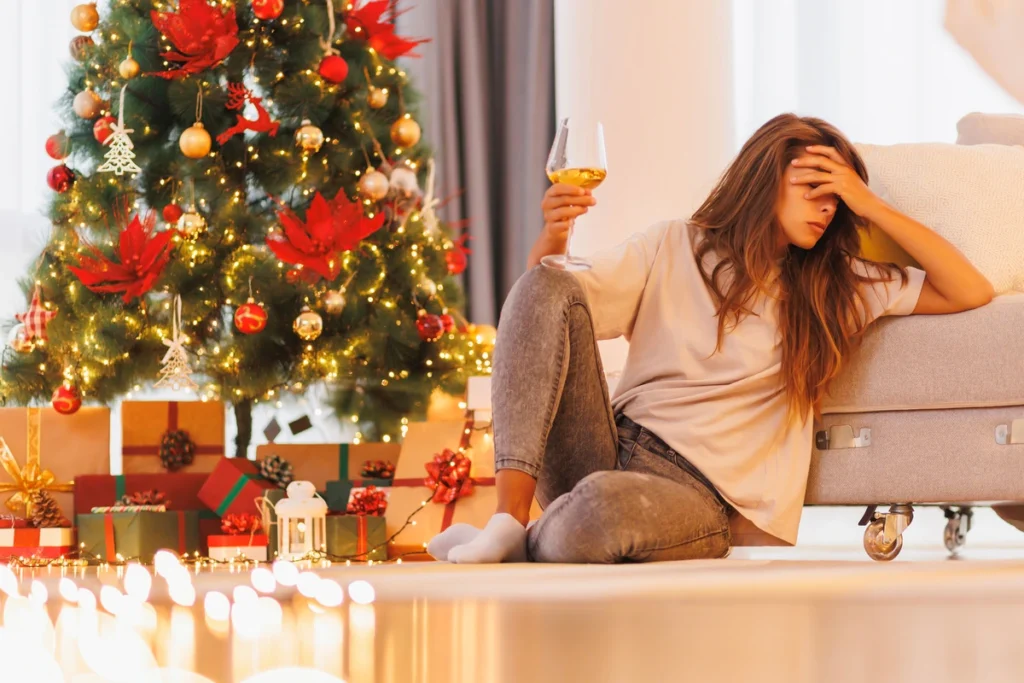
<point x="974" y="358"/>
<point x="971" y="195"/>
<point x="990" y="129"/>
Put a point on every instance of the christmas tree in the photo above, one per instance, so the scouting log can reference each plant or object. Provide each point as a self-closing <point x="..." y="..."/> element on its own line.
<point x="283" y="193"/>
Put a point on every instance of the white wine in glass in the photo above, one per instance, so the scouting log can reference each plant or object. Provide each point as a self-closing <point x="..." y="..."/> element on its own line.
<point x="577" y="158"/>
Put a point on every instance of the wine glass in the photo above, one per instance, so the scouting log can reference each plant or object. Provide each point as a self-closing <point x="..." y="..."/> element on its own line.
<point x="577" y="158"/>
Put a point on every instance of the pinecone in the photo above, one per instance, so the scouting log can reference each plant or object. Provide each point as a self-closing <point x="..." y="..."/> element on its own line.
<point x="46" y="512"/>
<point x="276" y="469"/>
<point x="151" y="497"/>
<point x="177" y="450"/>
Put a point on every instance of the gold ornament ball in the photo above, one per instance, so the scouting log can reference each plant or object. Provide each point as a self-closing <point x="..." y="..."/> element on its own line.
<point x="309" y="137"/>
<point x="191" y="224"/>
<point x="195" y="142"/>
<point x="374" y="185"/>
<point x="85" y="18"/>
<point x="128" y="68"/>
<point x="18" y="339"/>
<point x="334" y="301"/>
<point x="405" y="132"/>
<point x="308" y="325"/>
<point x="87" y="104"/>
<point x="377" y="98"/>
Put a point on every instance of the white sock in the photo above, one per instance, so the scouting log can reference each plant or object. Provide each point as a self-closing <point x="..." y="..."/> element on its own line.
<point x="455" y="535"/>
<point x="502" y="540"/>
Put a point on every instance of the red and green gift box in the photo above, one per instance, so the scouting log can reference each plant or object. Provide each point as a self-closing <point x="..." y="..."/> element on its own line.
<point x="334" y="469"/>
<point x="137" y="535"/>
<point x="144" y="424"/>
<point x="233" y="487"/>
<point x="48" y="451"/>
<point x="36" y="543"/>
<point x="181" y="489"/>
<point x="359" y="537"/>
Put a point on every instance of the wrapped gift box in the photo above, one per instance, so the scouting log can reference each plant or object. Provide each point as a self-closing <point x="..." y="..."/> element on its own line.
<point x="357" y="537"/>
<point x="323" y="463"/>
<point x="409" y="490"/>
<point x="182" y="490"/>
<point x="41" y="543"/>
<point x="144" y="423"/>
<point x="51" y="451"/>
<point x="234" y="486"/>
<point x="225" y="547"/>
<point x="138" y="535"/>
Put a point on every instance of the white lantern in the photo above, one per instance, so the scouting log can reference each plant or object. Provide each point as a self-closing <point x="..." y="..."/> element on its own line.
<point x="301" y="521"/>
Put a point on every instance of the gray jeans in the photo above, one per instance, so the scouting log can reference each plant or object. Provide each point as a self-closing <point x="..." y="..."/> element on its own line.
<point x="611" y="490"/>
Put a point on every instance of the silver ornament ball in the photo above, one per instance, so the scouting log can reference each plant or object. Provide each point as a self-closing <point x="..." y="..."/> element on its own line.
<point x="403" y="180"/>
<point x="334" y="301"/>
<point x="374" y="185"/>
<point x="427" y="286"/>
<point x="309" y="137"/>
<point x="308" y="325"/>
<point x="18" y="339"/>
<point x="191" y="224"/>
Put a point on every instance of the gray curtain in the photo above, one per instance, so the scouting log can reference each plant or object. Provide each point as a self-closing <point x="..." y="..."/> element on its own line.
<point x="487" y="78"/>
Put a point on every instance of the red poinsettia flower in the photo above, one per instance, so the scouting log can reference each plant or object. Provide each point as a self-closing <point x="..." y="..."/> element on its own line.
<point x="374" y="22"/>
<point x="329" y="229"/>
<point x="143" y="257"/>
<point x="202" y="34"/>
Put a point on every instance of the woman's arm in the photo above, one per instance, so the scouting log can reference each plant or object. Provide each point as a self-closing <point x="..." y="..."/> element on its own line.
<point x="952" y="283"/>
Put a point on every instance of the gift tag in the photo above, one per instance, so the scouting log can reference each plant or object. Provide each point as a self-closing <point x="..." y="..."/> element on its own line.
<point x="300" y="425"/>
<point x="272" y="430"/>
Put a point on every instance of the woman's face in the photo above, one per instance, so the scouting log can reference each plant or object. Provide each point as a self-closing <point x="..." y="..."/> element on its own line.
<point x="803" y="221"/>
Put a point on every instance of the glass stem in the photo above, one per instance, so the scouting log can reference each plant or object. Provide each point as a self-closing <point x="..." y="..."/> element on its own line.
<point x="568" y="241"/>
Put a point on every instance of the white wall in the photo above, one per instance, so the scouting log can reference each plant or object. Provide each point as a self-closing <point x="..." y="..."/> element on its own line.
<point x="657" y="75"/>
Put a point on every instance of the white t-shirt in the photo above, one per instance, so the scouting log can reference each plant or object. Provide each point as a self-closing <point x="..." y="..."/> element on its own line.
<point x="716" y="411"/>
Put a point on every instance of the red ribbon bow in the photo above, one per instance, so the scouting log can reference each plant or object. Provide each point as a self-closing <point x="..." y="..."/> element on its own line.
<point x="238" y="524"/>
<point x="370" y="501"/>
<point x="449" y="473"/>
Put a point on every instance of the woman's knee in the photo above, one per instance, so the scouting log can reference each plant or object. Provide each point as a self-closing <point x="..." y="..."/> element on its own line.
<point x="578" y="527"/>
<point x="540" y="288"/>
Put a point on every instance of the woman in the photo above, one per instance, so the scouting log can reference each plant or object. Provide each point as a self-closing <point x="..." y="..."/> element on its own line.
<point x="738" y="320"/>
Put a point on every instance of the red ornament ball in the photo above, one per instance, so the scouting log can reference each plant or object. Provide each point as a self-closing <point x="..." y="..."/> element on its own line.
<point x="66" y="400"/>
<point x="448" y="322"/>
<point x="267" y="9"/>
<point x="250" y="317"/>
<point x="101" y="129"/>
<point x="334" y="68"/>
<point x="456" y="260"/>
<point x="171" y="213"/>
<point x="58" y="146"/>
<point x="430" y="327"/>
<point x="292" y="276"/>
<point x="60" y="178"/>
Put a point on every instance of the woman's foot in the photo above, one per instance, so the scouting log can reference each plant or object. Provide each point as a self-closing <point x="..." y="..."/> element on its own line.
<point x="502" y="540"/>
<point x="453" y="536"/>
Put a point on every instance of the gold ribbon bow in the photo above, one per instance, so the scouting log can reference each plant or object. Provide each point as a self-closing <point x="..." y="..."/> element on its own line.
<point x="32" y="477"/>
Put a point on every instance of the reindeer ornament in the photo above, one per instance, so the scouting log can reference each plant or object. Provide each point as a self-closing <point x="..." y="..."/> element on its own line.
<point x="238" y="95"/>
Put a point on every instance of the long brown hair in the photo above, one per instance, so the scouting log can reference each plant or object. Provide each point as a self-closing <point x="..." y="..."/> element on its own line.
<point x="820" y="303"/>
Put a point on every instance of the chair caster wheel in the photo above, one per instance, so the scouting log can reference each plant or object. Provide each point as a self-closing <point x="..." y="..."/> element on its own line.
<point x="958" y="523"/>
<point x="875" y="545"/>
